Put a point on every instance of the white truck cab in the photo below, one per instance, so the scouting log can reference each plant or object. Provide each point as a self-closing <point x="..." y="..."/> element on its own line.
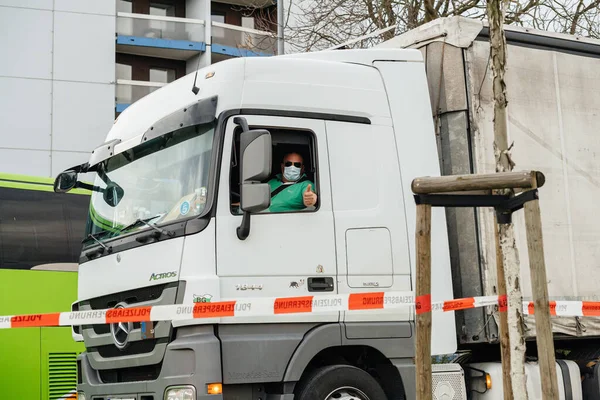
<point x="180" y="214"/>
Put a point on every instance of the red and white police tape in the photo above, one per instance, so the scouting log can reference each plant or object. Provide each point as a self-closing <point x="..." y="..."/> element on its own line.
<point x="72" y="395"/>
<point x="269" y="306"/>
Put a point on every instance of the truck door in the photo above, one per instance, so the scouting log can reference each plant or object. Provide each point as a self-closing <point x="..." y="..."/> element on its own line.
<point x="371" y="234"/>
<point x="287" y="253"/>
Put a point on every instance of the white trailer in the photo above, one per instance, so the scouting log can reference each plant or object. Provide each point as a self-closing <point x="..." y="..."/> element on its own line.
<point x="553" y="88"/>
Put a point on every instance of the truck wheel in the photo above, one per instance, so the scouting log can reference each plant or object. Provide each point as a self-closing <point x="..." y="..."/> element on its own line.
<point x="340" y="382"/>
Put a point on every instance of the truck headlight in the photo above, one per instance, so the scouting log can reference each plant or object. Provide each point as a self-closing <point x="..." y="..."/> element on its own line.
<point x="180" y="393"/>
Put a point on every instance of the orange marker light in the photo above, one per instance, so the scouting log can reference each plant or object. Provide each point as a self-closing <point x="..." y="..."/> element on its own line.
<point x="488" y="381"/>
<point x="215" y="388"/>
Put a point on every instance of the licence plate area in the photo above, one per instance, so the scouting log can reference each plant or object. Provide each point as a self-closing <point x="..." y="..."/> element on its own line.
<point x="131" y="396"/>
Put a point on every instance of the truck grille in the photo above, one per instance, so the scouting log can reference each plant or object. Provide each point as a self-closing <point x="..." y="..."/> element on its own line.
<point x="115" y="365"/>
<point x="141" y="347"/>
<point x="131" y="297"/>
<point x="105" y="329"/>
<point x="137" y="374"/>
<point x="150" y="293"/>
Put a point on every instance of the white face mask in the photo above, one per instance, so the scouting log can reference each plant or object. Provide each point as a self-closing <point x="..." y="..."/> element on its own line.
<point x="291" y="173"/>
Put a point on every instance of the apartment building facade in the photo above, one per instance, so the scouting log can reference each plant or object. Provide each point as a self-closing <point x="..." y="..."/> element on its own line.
<point x="69" y="67"/>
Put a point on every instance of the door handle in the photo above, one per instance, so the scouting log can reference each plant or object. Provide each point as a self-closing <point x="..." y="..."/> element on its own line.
<point x="320" y="284"/>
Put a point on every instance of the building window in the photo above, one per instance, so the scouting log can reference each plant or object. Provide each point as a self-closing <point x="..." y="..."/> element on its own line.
<point x="145" y="69"/>
<point x="218" y="17"/>
<point x="124" y="71"/>
<point x="162" y="75"/>
<point x="124" y="93"/>
<point x="163" y="10"/>
<point x="125" y="6"/>
<point x="153" y="69"/>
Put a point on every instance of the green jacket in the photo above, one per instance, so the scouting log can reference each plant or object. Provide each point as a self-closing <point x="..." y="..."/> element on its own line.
<point x="289" y="199"/>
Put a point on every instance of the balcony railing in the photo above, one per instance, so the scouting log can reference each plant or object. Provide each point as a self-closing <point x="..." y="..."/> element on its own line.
<point x="238" y="41"/>
<point x="158" y="31"/>
<point x="186" y="34"/>
<point x="128" y="91"/>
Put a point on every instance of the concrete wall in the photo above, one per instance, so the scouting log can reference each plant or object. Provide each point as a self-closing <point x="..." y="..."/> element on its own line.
<point x="57" y="80"/>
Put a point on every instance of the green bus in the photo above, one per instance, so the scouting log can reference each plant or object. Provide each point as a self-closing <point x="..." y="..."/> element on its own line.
<point x="40" y="243"/>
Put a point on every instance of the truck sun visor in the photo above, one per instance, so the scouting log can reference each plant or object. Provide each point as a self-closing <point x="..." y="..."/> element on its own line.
<point x="200" y="112"/>
<point x="103" y="152"/>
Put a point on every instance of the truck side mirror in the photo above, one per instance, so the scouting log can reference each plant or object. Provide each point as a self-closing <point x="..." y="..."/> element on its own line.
<point x="65" y="181"/>
<point x="256" y="161"/>
<point x="256" y="156"/>
<point x="112" y="194"/>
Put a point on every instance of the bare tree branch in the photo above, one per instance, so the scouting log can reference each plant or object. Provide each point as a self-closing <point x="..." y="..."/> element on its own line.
<point x="319" y="24"/>
<point x="515" y="16"/>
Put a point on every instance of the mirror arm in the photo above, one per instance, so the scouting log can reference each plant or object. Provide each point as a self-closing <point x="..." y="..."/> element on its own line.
<point x="246" y="139"/>
<point x="83" y="168"/>
<point x="243" y="231"/>
<point x="241" y="121"/>
<point x="87" y="186"/>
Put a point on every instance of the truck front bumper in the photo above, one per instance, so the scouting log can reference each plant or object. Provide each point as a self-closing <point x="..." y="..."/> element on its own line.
<point x="193" y="359"/>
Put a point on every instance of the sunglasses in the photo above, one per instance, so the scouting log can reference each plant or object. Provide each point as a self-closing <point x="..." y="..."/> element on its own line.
<point x="296" y="164"/>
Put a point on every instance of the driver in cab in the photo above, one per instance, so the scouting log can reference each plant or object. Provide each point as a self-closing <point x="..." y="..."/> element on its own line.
<point x="291" y="190"/>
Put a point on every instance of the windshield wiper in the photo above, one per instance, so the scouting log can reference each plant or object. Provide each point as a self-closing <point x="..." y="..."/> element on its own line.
<point x="145" y="222"/>
<point x="95" y="237"/>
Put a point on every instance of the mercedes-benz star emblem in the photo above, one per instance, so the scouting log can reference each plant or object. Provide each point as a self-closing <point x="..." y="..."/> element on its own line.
<point x="121" y="330"/>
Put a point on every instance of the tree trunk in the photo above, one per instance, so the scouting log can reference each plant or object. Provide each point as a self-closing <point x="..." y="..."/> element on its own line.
<point x="508" y="248"/>
<point x="512" y="272"/>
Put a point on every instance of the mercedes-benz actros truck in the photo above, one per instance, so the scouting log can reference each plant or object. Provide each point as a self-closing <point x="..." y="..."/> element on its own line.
<point x="181" y="213"/>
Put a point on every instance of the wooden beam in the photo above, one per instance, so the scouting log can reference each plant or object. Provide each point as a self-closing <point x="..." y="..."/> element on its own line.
<point x="503" y="328"/>
<point x="423" y="302"/>
<point x="462" y="183"/>
<point x="539" y="286"/>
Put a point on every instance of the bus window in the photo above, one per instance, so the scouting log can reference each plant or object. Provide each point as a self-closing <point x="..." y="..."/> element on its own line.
<point x="40" y="227"/>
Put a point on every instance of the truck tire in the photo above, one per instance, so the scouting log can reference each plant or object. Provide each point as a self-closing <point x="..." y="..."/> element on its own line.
<point x="340" y="382"/>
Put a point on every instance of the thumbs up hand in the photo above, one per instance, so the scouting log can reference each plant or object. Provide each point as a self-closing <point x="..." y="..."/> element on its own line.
<point x="309" y="197"/>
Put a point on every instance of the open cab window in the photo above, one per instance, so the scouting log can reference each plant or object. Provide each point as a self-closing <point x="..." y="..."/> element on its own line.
<point x="286" y="194"/>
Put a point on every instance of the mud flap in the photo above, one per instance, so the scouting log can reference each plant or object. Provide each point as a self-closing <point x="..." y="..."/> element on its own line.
<point x="591" y="381"/>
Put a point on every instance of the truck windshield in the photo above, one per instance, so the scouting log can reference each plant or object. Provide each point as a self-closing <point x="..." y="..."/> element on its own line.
<point x="160" y="181"/>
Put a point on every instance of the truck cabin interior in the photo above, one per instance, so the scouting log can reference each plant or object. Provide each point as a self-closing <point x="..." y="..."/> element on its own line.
<point x="284" y="141"/>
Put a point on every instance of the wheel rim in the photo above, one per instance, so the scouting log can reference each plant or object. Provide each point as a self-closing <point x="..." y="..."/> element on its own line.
<point x="347" y="393"/>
